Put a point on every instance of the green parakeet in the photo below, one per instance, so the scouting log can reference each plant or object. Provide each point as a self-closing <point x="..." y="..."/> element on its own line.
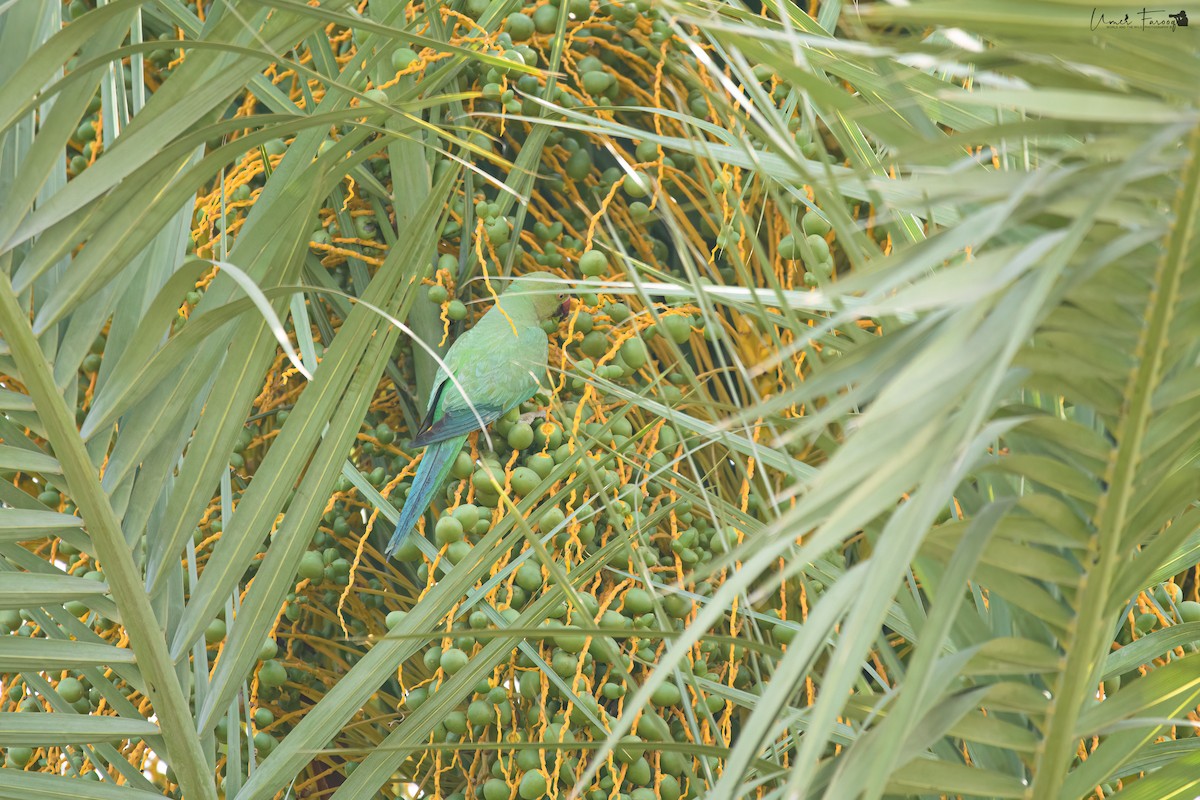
<point x="499" y="363"/>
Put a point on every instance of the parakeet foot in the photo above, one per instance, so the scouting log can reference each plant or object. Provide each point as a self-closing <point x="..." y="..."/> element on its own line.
<point x="529" y="416"/>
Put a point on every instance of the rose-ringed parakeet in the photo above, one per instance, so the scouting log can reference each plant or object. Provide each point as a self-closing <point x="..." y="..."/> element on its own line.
<point x="499" y="362"/>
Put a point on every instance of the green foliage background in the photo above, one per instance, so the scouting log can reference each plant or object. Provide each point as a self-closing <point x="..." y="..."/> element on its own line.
<point x="867" y="467"/>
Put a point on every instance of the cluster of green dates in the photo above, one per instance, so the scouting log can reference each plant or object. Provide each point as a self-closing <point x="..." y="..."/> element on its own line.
<point x="85" y="143"/>
<point x="613" y="344"/>
<point x="71" y="693"/>
<point x="272" y="675"/>
<point x="1166" y="599"/>
<point x="327" y="569"/>
<point x="249" y="731"/>
<point x="810" y="246"/>
<point x="514" y="711"/>
<point x="573" y="164"/>
<point x="610" y="665"/>
<point x="246" y="437"/>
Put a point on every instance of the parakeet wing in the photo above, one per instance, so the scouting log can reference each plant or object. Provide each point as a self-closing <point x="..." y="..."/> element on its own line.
<point x="446" y="423"/>
<point x="497" y="371"/>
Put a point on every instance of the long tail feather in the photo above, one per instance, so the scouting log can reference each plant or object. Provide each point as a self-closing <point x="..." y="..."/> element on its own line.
<point x="431" y="474"/>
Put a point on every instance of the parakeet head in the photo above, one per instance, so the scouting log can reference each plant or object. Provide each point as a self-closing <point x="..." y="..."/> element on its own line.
<point x="545" y="293"/>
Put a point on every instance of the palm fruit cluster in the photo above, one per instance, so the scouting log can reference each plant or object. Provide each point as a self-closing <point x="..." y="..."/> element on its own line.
<point x="606" y="475"/>
<point x="603" y="471"/>
<point x="601" y="474"/>
<point x="608" y="486"/>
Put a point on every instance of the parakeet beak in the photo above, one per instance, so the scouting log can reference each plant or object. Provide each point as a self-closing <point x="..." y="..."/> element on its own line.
<point x="564" y="309"/>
